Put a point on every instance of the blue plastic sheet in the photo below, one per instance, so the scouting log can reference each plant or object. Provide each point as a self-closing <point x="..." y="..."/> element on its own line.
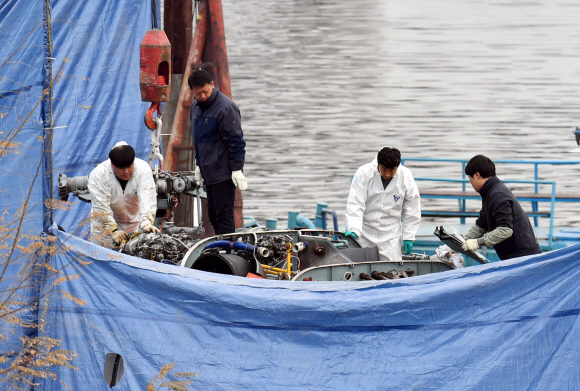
<point x="21" y="129"/>
<point x="510" y="325"/>
<point x="96" y="47"/>
<point x="89" y="52"/>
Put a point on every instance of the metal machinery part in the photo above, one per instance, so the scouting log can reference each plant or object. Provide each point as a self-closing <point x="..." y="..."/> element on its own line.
<point x="170" y="186"/>
<point x="159" y="247"/>
<point x="455" y="244"/>
<point x="223" y="263"/>
<point x="78" y="185"/>
<point x="315" y="255"/>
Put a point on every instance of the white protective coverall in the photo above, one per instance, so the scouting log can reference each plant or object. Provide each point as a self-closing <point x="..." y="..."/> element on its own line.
<point x="374" y="213"/>
<point x="128" y="210"/>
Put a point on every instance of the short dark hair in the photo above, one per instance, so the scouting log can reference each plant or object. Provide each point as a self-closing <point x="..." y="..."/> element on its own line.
<point x="481" y="164"/>
<point x="199" y="78"/>
<point x="122" y="156"/>
<point x="389" y="157"/>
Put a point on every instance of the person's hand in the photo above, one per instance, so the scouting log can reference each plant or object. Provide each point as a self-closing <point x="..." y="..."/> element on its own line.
<point x="350" y="234"/>
<point x="119" y="236"/>
<point x="239" y="180"/>
<point x="408" y="246"/>
<point x="470" y="245"/>
<point x="198" y="176"/>
<point x="151" y="228"/>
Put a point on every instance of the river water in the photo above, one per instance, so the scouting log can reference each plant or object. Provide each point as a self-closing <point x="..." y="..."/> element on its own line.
<point x="323" y="84"/>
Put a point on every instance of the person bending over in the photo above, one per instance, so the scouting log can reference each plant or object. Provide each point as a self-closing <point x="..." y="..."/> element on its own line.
<point x="502" y="223"/>
<point x="123" y="197"/>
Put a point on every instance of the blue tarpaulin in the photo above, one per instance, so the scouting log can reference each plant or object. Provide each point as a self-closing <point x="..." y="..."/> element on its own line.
<point x="510" y="325"/>
<point x="85" y="57"/>
<point x="69" y="90"/>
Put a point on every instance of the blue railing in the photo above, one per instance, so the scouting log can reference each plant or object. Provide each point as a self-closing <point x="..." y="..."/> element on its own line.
<point x="464" y="197"/>
<point x="536" y="182"/>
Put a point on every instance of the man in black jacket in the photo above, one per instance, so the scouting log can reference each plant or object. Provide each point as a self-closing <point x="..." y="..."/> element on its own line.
<point x="219" y="149"/>
<point x="502" y="222"/>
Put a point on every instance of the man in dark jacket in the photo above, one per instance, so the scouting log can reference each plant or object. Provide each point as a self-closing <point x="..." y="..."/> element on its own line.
<point x="502" y="222"/>
<point x="219" y="149"/>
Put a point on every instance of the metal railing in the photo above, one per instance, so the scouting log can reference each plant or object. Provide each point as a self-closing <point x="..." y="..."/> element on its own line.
<point x="535" y="163"/>
<point x="553" y="198"/>
<point x="463" y="197"/>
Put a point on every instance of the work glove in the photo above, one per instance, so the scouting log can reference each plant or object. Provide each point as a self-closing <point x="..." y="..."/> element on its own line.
<point x="198" y="176"/>
<point x="239" y="180"/>
<point x="119" y="236"/>
<point x="350" y="234"/>
<point x="150" y="228"/>
<point x="470" y="245"/>
<point x="408" y="246"/>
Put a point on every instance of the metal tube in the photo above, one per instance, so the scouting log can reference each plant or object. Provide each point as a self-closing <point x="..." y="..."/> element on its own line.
<point x="289" y="260"/>
<point x="274" y="269"/>
<point x="185" y="95"/>
<point x="334" y="218"/>
<point x="239" y="246"/>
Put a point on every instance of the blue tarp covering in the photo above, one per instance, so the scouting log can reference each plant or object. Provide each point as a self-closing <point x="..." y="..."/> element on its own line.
<point x="91" y="52"/>
<point x="510" y="325"/>
<point x="69" y="90"/>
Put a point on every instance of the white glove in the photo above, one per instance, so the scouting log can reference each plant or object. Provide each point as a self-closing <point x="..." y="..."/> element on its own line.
<point x="470" y="245"/>
<point x="198" y="176"/>
<point x="119" y="236"/>
<point x="239" y="180"/>
<point x="150" y="228"/>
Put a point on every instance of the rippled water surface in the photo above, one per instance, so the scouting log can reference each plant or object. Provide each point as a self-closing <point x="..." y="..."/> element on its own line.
<point x="323" y="84"/>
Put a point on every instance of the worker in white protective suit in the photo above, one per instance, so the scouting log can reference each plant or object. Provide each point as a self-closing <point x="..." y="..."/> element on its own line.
<point x="123" y="197"/>
<point x="382" y="194"/>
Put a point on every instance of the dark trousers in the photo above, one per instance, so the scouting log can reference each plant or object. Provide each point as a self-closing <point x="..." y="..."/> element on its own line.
<point x="220" y="206"/>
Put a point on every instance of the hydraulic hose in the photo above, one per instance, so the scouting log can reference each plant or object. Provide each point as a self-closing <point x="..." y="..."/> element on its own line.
<point x="263" y="251"/>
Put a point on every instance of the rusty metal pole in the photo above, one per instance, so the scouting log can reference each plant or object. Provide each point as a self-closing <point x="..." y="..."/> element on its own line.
<point x="218" y="39"/>
<point x="218" y="35"/>
<point x="185" y="95"/>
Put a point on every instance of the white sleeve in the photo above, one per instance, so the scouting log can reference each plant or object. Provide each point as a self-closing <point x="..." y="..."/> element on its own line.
<point x="411" y="214"/>
<point x="356" y="203"/>
<point x="101" y="194"/>
<point x="147" y="193"/>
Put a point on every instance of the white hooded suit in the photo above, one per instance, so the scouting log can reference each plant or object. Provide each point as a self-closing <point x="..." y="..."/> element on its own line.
<point x="375" y="213"/>
<point x="113" y="208"/>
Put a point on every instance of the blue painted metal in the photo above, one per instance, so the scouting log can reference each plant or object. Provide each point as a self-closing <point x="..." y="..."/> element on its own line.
<point x="334" y="218"/>
<point x="271" y="223"/>
<point x="321" y="211"/>
<point x="318" y="220"/>
<point x="250" y="222"/>
<point x="296" y="220"/>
